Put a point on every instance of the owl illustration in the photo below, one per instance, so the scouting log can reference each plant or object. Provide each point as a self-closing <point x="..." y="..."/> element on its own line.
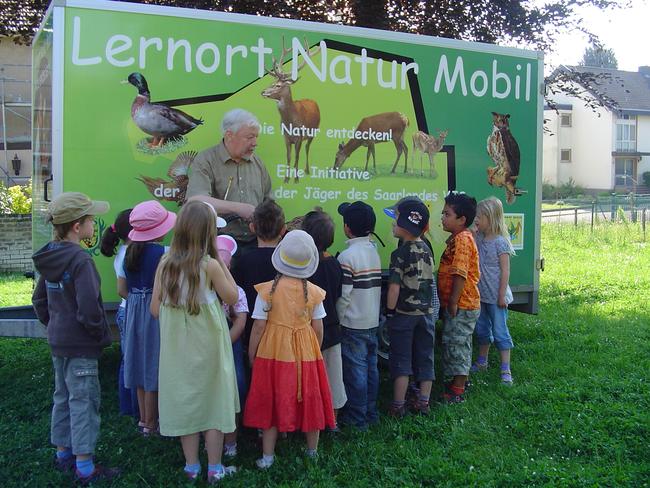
<point x="172" y="190"/>
<point x="504" y="152"/>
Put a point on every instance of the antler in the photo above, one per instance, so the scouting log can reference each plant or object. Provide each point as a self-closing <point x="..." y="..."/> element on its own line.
<point x="309" y="53"/>
<point x="276" y="69"/>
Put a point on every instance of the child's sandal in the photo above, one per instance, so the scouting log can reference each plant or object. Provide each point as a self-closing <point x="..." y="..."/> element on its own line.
<point x="506" y="378"/>
<point x="216" y="476"/>
<point x="262" y="463"/>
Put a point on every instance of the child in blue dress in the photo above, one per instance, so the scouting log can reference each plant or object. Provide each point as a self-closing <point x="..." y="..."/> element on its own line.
<point x="150" y="222"/>
<point x="494" y="249"/>
<point x="117" y="234"/>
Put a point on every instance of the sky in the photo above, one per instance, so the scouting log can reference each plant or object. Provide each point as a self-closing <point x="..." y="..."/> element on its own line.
<point x="625" y="31"/>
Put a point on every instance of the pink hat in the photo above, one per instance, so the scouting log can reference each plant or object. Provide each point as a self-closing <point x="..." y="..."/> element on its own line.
<point x="150" y="221"/>
<point x="226" y="247"/>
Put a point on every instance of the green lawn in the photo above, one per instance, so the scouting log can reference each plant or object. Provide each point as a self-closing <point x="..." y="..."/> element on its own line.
<point x="577" y="415"/>
<point x="557" y="206"/>
<point x="15" y="290"/>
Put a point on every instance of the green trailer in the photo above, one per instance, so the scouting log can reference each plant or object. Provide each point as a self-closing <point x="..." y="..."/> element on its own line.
<point x="436" y="114"/>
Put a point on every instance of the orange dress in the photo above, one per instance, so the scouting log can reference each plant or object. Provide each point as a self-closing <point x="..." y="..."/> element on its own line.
<point x="289" y="388"/>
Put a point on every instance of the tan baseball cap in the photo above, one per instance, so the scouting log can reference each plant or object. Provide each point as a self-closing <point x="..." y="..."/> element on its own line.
<point x="70" y="206"/>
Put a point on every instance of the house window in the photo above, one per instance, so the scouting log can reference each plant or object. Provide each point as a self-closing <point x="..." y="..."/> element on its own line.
<point x="624" y="169"/>
<point x="626" y="133"/>
<point x="565" y="120"/>
<point x="565" y="155"/>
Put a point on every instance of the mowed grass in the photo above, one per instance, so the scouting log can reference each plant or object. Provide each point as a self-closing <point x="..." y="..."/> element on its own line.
<point x="576" y="416"/>
<point x="15" y="290"/>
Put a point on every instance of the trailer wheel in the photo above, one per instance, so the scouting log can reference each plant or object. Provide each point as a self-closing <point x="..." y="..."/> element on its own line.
<point x="383" y="340"/>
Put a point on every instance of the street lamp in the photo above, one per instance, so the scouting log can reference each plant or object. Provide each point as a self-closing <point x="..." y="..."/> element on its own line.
<point x="15" y="164"/>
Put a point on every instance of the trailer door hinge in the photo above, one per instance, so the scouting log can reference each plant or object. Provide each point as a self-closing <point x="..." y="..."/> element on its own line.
<point x="539" y="264"/>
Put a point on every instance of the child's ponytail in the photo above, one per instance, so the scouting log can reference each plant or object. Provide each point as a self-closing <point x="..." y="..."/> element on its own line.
<point x="118" y="231"/>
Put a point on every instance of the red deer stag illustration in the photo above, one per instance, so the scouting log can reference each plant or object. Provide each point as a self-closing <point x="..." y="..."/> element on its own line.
<point x="299" y="118"/>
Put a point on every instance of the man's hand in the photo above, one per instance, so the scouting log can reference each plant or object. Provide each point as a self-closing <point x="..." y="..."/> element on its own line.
<point x="502" y="302"/>
<point x="452" y="309"/>
<point x="245" y="211"/>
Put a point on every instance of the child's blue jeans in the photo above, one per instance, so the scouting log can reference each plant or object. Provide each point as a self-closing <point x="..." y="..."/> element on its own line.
<point x="360" y="376"/>
<point x="492" y="327"/>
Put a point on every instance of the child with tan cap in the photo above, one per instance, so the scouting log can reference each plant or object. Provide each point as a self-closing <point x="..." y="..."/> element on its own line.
<point x="67" y="300"/>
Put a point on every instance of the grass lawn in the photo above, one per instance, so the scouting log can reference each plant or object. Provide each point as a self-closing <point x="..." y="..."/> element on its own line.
<point x="578" y="414"/>
<point x="556" y="206"/>
<point x="15" y="290"/>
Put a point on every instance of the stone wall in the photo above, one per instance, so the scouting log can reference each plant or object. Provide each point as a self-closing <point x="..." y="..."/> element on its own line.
<point x="15" y="243"/>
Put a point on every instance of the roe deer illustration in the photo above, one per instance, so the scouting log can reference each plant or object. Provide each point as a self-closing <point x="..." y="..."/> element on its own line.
<point x="429" y="145"/>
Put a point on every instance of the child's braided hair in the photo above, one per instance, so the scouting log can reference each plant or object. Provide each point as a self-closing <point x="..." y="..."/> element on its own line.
<point x="276" y="280"/>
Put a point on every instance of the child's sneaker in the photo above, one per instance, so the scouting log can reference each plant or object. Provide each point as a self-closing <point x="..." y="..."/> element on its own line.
<point x="452" y="395"/>
<point x="64" y="465"/>
<point x="190" y="476"/>
<point x="421" y="407"/>
<point x="311" y="454"/>
<point x="478" y="367"/>
<point x="215" y="476"/>
<point x="412" y="393"/>
<point x="101" y="473"/>
<point x="450" y="398"/>
<point x="230" y="451"/>
<point x="397" y="411"/>
<point x="506" y="378"/>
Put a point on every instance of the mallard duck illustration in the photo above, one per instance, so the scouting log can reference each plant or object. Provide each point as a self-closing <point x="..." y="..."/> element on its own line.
<point x="504" y="151"/>
<point x="174" y="190"/>
<point x="158" y="120"/>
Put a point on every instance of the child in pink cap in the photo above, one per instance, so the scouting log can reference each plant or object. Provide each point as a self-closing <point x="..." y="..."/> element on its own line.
<point x="150" y="222"/>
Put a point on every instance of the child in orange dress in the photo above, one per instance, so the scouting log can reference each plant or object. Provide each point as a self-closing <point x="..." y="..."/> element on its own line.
<point x="289" y="389"/>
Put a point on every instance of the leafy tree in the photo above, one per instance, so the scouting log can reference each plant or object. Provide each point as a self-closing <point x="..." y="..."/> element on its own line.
<point x="517" y="22"/>
<point x="599" y="57"/>
<point x="534" y="24"/>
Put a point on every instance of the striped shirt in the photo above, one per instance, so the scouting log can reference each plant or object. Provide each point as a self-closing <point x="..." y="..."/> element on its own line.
<point x="358" y="307"/>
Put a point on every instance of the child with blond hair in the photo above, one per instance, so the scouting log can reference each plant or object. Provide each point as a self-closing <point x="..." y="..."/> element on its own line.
<point x="494" y="250"/>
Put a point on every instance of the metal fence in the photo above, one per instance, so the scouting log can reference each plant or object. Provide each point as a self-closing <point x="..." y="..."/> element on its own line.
<point x="613" y="208"/>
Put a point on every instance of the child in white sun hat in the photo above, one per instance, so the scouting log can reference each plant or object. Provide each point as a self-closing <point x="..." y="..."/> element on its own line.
<point x="289" y="389"/>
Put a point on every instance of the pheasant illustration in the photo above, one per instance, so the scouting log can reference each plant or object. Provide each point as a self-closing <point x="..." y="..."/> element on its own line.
<point x="172" y="190"/>
<point x="504" y="151"/>
<point x="158" y="120"/>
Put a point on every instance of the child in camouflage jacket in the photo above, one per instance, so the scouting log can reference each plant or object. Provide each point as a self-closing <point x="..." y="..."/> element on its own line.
<point x="409" y="308"/>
